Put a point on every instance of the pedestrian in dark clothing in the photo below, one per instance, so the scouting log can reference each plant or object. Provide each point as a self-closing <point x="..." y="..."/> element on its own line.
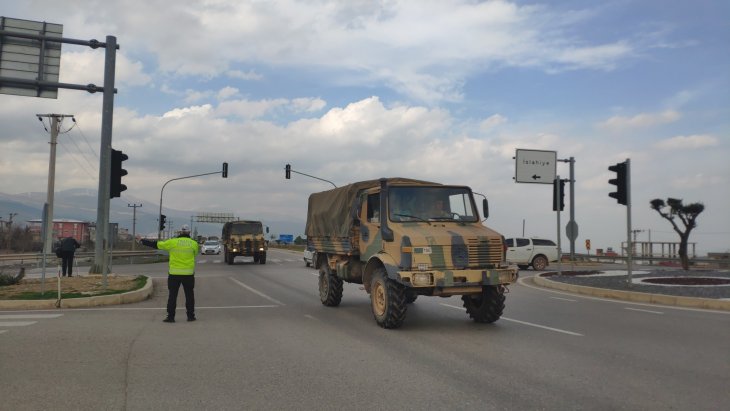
<point x="68" y="247"/>
<point x="181" y="270"/>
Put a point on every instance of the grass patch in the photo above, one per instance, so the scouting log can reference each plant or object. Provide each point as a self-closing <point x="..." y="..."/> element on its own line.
<point x="86" y="289"/>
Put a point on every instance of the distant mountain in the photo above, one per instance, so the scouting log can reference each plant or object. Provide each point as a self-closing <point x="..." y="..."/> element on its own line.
<point x="81" y="204"/>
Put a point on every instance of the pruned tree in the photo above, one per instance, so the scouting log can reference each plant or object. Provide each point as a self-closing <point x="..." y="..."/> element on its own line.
<point x="686" y="213"/>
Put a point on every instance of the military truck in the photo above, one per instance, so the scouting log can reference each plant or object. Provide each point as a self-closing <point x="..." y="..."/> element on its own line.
<point x="390" y="236"/>
<point x="244" y="238"/>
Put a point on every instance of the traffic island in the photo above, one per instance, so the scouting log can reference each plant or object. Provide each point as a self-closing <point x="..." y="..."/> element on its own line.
<point x="698" y="289"/>
<point x="76" y="292"/>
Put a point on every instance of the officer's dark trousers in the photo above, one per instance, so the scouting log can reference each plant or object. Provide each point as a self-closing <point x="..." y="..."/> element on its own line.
<point x="67" y="263"/>
<point x="173" y="286"/>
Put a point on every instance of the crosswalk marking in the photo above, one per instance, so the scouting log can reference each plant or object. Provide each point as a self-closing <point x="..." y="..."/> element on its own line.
<point x="16" y="323"/>
<point x="27" y="316"/>
<point x="15" y="320"/>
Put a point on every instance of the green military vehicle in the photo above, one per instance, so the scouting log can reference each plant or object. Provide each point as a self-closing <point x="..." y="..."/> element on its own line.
<point x="401" y="238"/>
<point x="244" y="238"/>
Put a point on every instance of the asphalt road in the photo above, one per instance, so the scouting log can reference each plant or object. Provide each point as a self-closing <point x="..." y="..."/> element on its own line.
<point x="264" y="341"/>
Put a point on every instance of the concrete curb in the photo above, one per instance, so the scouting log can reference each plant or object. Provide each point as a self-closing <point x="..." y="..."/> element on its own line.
<point x="635" y="296"/>
<point x="86" y="302"/>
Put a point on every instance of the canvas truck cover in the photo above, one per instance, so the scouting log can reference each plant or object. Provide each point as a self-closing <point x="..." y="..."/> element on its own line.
<point x="329" y="213"/>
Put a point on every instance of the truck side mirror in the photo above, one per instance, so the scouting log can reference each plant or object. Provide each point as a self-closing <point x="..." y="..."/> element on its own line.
<point x="485" y="208"/>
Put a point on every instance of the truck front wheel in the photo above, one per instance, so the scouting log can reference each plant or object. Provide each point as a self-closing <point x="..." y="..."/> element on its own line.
<point x="262" y="259"/>
<point x="330" y="286"/>
<point x="388" y="300"/>
<point x="228" y="257"/>
<point x="486" y="307"/>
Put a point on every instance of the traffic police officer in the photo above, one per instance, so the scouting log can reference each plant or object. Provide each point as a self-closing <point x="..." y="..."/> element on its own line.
<point x="183" y="250"/>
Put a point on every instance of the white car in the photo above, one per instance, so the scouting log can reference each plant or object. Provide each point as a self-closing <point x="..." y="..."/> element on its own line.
<point x="309" y="257"/>
<point x="535" y="252"/>
<point x="210" y="247"/>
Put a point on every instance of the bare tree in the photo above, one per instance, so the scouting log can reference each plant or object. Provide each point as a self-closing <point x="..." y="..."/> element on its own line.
<point x="686" y="213"/>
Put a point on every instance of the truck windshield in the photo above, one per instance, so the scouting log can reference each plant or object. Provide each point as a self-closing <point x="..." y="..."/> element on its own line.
<point x="431" y="204"/>
<point x="238" y="229"/>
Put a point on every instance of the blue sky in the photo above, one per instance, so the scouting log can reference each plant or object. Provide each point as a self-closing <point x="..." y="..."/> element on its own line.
<point x="439" y="90"/>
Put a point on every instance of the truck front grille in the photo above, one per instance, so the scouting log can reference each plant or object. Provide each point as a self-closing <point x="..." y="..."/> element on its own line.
<point x="484" y="252"/>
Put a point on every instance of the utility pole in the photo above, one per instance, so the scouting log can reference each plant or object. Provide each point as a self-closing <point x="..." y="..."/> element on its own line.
<point x="56" y="120"/>
<point x="134" y="222"/>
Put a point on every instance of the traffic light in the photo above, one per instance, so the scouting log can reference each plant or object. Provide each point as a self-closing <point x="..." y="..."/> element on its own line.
<point x="557" y="200"/>
<point x="288" y="171"/>
<point x="224" y="173"/>
<point x="621" y="193"/>
<point x="163" y="218"/>
<point x="117" y="172"/>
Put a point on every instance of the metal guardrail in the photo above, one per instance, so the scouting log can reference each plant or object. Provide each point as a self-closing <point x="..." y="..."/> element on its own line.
<point x="79" y="255"/>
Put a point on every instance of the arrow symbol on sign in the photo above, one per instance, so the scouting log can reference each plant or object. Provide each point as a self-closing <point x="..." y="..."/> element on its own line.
<point x="535" y="177"/>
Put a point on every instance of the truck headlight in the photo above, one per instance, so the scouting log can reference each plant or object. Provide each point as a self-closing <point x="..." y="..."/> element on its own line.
<point x="421" y="279"/>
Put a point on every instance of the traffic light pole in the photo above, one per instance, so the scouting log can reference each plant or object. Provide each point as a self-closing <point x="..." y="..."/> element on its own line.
<point x="630" y="245"/>
<point x="289" y="170"/>
<point x="558" y="196"/>
<point x="107" y="115"/>
<point x="223" y="172"/>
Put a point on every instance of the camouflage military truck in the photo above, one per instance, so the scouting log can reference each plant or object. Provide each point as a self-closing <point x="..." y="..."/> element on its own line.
<point x="244" y="238"/>
<point x="402" y="238"/>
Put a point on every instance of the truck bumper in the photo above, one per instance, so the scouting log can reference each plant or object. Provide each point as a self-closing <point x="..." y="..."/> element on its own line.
<point x="459" y="279"/>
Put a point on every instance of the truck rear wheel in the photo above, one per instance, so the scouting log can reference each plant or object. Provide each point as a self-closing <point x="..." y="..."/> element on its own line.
<point x="539" y="263"/>
<point x="486" y="307"/>
<point x="388" y="300"/>
<point x="330" y="286"/>
<point x="228" y="258"/>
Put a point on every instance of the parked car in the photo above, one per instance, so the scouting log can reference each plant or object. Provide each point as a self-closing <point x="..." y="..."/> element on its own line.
<point x="309" y="256"/>
<point x="535" y="252"/>
<point x="210" y="247"/>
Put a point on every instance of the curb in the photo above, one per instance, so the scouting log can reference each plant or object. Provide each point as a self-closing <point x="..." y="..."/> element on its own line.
<point x="635" y="296"/>
<point x="85" y="302"/>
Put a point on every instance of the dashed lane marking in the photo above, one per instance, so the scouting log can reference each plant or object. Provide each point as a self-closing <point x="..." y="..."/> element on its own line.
<point x="257" y="292"/>
<point x="558" y="330"/>
<point x="563" y="299"/>
<point x="27" y="316"/>
<point x="643" y="311"/>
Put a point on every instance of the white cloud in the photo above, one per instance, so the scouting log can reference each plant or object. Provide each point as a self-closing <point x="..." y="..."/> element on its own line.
<point x="307" y="104"/>
<point x="227" y="92"/>
<point x="688" y="142"/>
<point x="84" y="67"/>
<point x="492" y="122"/>
<point x="400" y="43"/>
<point x="619" y="123"/>
<point x="698" y="181"/>
<point x="192" y="96"/>
<point x="244" y="75"/>
<point x="199" y="111"/>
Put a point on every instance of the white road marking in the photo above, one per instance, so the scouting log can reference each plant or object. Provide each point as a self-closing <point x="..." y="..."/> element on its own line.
<point x="16" y="323"/>
<point x="524" y="322"/>
<point x="2" y="331"/>
<point x="27" y="316"/>
<point x="542" y="326"/>
<point x="310" y="317"/>
<point x="257" y="292"/>
<point x="563" y="299"/>
<point x="643" y="311"/>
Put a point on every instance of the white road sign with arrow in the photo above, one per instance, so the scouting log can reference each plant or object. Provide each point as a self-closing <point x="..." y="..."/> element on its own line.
<point x="535" y="166"/>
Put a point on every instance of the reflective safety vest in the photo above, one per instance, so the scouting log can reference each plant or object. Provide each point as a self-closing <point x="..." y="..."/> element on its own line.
<point x="182" y="254"/>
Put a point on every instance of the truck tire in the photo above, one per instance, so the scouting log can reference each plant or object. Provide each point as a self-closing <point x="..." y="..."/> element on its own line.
<point x="411" y="297"/>
<point x="388" y="300"/>
<point x="330" y="286"/>
<point x="228" y="258"/>
<point x="486" y="307"/>
<point x="262" y="259"/>
<point x="539" y="263"/>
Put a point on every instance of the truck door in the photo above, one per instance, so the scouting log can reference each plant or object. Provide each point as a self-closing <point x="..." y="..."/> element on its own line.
<point x="370" y="240"/>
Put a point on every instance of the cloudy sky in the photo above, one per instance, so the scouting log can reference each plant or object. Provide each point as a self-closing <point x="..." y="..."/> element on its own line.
<point x="351" y="90"/>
